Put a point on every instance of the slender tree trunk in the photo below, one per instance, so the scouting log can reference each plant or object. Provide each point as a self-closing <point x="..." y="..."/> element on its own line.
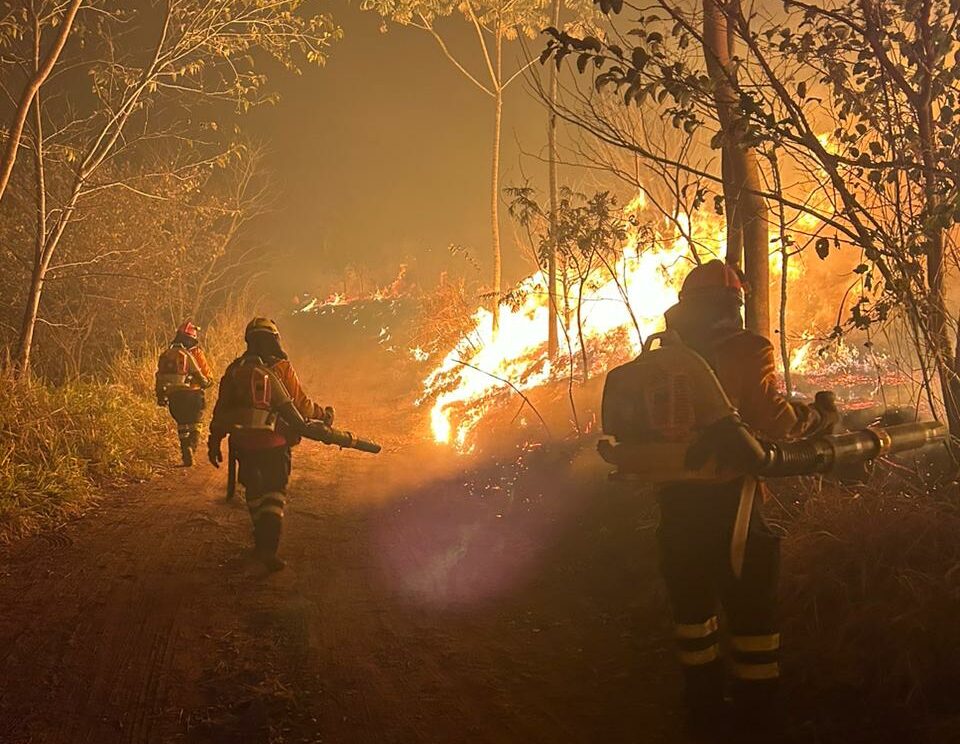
<point x="938" y="317"/>
<point x="784" y="271"/>
<point x="31" y="312"/>
<point x="747" y="229"/>
<point x="31" y="90"/>
<point x="734" y="246"/>
<point x="552" y="310"/>
<point x="756" y="246"/>
<point x="495" y="187"/>
<point x="40" y="258"/>
<point x="583" y="346"/>
<point x="98" y="151"/>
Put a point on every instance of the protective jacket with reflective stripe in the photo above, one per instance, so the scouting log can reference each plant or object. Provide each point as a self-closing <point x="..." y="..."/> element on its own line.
<point x="235" y="393"/>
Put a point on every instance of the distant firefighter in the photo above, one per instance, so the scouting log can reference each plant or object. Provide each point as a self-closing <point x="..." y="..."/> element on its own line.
<point x="252" y="389"/>
<point x="182" y="376"/>
<point x="700" y="521"/>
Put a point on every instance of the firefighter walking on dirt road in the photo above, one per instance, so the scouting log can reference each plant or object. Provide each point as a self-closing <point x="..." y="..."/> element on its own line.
<point x="698" y="521"/>
<point x="246" y="411"/>
<point x="182" y="376"/>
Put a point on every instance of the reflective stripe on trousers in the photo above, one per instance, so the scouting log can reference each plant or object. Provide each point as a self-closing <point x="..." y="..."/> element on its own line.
<point x="756" y="657"/>
<point x="697" y="643"/>
<point x="185" y="430"/>
<point x="269" y="503"/>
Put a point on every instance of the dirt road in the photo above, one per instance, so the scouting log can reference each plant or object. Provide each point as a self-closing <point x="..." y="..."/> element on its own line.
<point x="490" y="606"/>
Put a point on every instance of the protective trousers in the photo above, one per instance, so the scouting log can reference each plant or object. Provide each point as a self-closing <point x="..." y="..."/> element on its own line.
<point x="186" y="407"/>
<point x="696" y="526"/>
<point x="264" y="474"/>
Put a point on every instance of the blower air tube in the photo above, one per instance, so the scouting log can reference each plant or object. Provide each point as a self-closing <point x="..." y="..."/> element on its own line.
<point x="321" y="432"/>
<point x="329" y="435"/>
<point x="832" y="451"/>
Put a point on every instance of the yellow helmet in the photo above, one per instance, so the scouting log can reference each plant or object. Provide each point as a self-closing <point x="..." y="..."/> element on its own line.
<point x="261" y="325"/>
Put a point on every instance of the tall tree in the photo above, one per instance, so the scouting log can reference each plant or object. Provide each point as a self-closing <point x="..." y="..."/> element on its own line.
<point x="494" y="22"/>
<point x="858" y="104"/>
<point x="56" y="15"/>
<point x="553" y="315"/>
<point x="201" y="53"/>
<point x="748" y="239"/>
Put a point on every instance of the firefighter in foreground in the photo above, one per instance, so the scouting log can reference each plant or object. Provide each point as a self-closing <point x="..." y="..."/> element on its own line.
<point x="698" y="520"/>
<point x="259" y="438"/>
<point x="182" y="376"/>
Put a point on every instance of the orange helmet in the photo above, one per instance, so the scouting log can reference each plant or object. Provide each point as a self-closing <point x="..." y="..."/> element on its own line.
<point x="188" y="329"/>
<point x="713" y="277"/>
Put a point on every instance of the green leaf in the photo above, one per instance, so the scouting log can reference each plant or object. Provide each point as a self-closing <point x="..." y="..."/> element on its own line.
<point x="640" y="57"/>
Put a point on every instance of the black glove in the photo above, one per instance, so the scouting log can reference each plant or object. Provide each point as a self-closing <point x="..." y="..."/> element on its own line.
<point x="730" y="442"/>
<point x="825" y="405"/>
<point x="214" y="453"/>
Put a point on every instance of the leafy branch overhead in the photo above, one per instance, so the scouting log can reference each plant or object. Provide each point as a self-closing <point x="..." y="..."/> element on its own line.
<point x="157" y="98"/>
<point x="856" y="102"/>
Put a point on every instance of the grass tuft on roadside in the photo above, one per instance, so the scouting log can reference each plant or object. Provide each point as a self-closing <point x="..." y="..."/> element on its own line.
<point x="60" y="444"/>
<point x="871" y="601"/>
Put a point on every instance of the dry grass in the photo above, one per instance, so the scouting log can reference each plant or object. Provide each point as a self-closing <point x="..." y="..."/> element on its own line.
<point x="872" y="611"/>
<point x="59" y="445"/>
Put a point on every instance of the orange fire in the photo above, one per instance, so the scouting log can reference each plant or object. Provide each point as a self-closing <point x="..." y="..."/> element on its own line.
<point x="625" y="301"/>
<point x="394" y="289"/>
<point x="621" y="306"/>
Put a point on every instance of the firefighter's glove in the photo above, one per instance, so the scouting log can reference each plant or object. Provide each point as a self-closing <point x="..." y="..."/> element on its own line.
<point x="825" y="406"/>
<point x="214" y="453"/>
<point x="730" y="444"/>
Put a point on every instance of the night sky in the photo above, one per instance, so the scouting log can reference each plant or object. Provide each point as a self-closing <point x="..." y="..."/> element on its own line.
<point x="384" y="154"/>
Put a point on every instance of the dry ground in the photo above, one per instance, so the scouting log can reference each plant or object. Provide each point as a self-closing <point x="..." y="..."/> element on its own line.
<point x="500" y="605"/>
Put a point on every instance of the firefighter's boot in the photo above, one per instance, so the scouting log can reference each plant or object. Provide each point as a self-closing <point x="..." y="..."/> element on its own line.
<point x="186" y="454"/>
<point x="706" y="707"/>
<point x="187" y="436"/>
<point x="756" y="678"/>
<point x="757" y="710"/>
<point x="266" y="534"/>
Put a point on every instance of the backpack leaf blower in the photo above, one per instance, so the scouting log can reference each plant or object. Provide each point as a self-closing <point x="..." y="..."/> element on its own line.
<point x="672" y="422"/>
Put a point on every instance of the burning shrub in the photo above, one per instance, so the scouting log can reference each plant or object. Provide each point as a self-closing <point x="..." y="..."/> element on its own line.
<point x="445" y="317"/>
<point x="872" y="596"/>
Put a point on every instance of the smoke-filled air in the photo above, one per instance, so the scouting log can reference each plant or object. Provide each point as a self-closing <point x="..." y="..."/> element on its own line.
<point x="479" y="371"/>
